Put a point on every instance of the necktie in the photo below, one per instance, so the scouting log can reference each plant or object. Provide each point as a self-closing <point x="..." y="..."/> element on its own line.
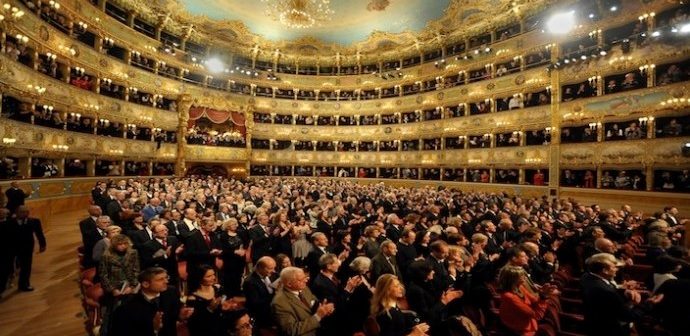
<point x="164" y="242"/>
<point x="207" y="239"/>
<point x="388" y="259"/>
<point x="267" y="282"/>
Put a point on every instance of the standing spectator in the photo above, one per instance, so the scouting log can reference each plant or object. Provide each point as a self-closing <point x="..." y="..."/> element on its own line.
<point x="234" y="256"/>
<point x="8" y="248"/>
<point x="386" y="314"/>
<point x="259" y="292"/>
<point x="202" y="246"/>
<point x="162" y="251"/>
<point x="385" y="262"/>
<point x="27" y="228"/>
<point x="15" y="197"/>
<point x="118" y="273"/>
<point x="205" y="298"/>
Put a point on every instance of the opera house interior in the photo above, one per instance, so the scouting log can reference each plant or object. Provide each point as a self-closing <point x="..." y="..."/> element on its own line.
<point x="332" y="167"/>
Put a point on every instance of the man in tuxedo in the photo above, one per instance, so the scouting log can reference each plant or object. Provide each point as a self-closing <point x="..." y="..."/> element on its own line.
<point x="8" y="248"/>
<point x="99" y="195"/>
<point x="162" y="251"/>
<point x="384" y="262"/>
<point x="89" y="234"/>
<point x="608" y="310"/>
<point x="295" y="308"/>
<point x="407" y="253"/>
<point x="394" y="228"/>
<point x="437" y="260"/>
<point x="202" y="246"/>
<point x="259" y="292"/>
<point x="261" y="239"/>
<point x="114" y="207"/>
<point x="141" y="237"/>
<point x="93" y="237"/>
<point x="155" y="310"/>
<point x="326" y="287"/>
<point x="27" y="228"/>
<point x="320" y="242"/>
<point x="175" y="223"/>
<point x="15" y="197"/>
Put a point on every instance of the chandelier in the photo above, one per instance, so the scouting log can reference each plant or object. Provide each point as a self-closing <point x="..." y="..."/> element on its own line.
<point x="299" y="14"/>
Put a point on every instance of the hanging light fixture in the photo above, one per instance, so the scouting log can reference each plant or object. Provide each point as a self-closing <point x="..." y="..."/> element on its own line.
<point x="299" y="14"/>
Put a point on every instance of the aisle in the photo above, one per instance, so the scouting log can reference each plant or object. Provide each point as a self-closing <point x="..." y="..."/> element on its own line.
<point x="54" y="307"/>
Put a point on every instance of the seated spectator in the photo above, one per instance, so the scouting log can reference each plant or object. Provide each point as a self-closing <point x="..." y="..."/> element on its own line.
<point x="385" y="314"/>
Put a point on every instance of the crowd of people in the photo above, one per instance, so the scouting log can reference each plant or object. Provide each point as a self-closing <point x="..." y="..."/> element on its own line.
<point x="308" y="257"/>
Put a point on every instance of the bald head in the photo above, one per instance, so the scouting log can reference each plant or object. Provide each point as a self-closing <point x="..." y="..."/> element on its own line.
<point x="605" y="245"/>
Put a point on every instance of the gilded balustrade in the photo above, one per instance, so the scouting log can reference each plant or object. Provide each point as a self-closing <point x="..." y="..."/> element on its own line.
<point x="40" y="141"/>
<point x="16" y="77"/>
<point x="629" y="153"/>
<point x="529" y="119"/>
<point x="521" y="157"/>
<point x="196" y="153"/>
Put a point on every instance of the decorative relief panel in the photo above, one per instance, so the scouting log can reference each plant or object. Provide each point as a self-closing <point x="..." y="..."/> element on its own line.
<point x="624" y="104"/>
<point x="67" y="97"/>
<point x="40" y="140"/>
<point x="525" y="119"/>
<point x="215" y="154"/>
<point x="641" y="152"/>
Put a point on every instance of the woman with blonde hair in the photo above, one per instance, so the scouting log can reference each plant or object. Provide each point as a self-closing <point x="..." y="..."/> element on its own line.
<point x="118" y="271"/>
<point x="385" y="314"/>
<point x="234" y="254"/>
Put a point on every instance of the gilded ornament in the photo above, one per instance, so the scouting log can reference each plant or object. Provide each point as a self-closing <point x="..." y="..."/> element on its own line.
<point x="103" y="63"/>
<point x="336" y="106"/>
<point x="440" y="96"/>
<point x="274" y="103"/>
<point x="463" y="91"/>
<point x="43" y="33"/>
<point x="316" y="106"/>
<point x="132" y="74"/>
<point x="419" y="99"/>
<point x="519" y="80"/>
<point x="251" y="101"/>
<point x="38" y="136"/>
<point x="398" y="102"/>
<point x="387" y="130"/>
<point x="491" y="86"/>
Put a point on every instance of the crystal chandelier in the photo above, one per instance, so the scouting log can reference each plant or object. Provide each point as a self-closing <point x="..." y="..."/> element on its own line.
<point x="299" y="14"/>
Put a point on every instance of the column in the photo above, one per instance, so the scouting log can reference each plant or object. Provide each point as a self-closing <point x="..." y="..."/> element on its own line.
<point x="600" y="172"/>
<point x="555" y="124"/>
<point x="649" y="179"/>
<point x="521" y="176"/>
<point x="184" y="102"/>
<point x="91" y="167"/>
<point x="651" y="125"/>
<point x="492" y="175"/>
<point x="24" y="166"/>
<point x="60" y="163"/>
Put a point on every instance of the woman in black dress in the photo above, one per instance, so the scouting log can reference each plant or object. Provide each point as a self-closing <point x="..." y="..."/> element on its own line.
<point x="233" y="258"/>
<point x="209" y="306"/>
<point x="390" y="320"/>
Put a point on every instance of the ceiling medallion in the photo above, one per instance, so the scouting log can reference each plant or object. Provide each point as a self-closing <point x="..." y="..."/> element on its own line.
<point x="299" y="14"/>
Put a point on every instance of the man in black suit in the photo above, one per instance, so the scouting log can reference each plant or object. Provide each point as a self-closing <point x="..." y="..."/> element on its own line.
<point x="394" y="228"/>
<point x="202" y="246"/>
<point x="155" y="310"/>
<point x="261" y="239"/>
<point x="27" y="228"/>
<point x="320" y="242"/>
<point x="141" y="237"/>
<point x="162" y="252"/>
<point x="327" y="287"/>
<point x="8" y="248"/>
<point x="15" y="197"/>
<point x="114" y="207"/>
<point x="608" y="310"/>
<point x="90" y="234"/>
<point x="437" y="260"/>
<point x="99" y="195"/>
<point x="384" y="262"/>
<point x="407" y="253"/>
<point x="259" y="292"/>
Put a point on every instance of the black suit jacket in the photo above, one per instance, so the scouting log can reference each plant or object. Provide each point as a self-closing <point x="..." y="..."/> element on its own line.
<point x="262" y="242"/>
<point x="406" y="255"/>
<point x="258" y="299"/>
<point x="442" y="280"/>
<point x="380" y="266"/>
<point x="113" y="210"/>
<point x="312" y="262"/>
<point x="151" y="247"/>
<point x="89" y="237"/>
<point x="197" y="252"/>
<point x="25" y="235"/>
<point x="134" y="317"/>
<point x="139" y="238"/>
<point x="606" y="310"/>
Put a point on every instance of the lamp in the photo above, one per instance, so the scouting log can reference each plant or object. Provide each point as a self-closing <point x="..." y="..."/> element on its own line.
<point x="299" y="14"/>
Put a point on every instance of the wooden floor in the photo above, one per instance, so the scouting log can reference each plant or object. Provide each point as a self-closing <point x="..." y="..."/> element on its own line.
<point x="54" y="308"/>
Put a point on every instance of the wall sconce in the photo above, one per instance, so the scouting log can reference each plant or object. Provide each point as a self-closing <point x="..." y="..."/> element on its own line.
<point x="646" y="16"/>
<point x="133" y="89"/>
<point x="116" y="151"/>
<point x="593" y="126"/>
<point x="9" y="141"/>
<point x="106" y="81"/>
<point x="548" y="130"/>
<point x="11" y="12"/>
<point x="646" y="68"/>
<point x="92" y="107"/>
<point x="108" y="42"/>
<point x="593" y="80"/>
<point x="676" y="103"/>
<point x="79" y="71"/>
<point x="54" y="4"/>
<point x="21" y="38"/>
<point x="103" y="122"/>
<point x="131" y="127"/>
<point x="51" y="56"/>
<point x="48" y="108"/>
<point x="594" y="33"/>
<point x="533" y="160"/>
<point x="82" y="26"/>
<point x="75" y="115"/>
<point x="474" y="161"/>
<point x="643" y="120"/>
<point x="37" y="89"/>
<point x="61" y="147"/>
